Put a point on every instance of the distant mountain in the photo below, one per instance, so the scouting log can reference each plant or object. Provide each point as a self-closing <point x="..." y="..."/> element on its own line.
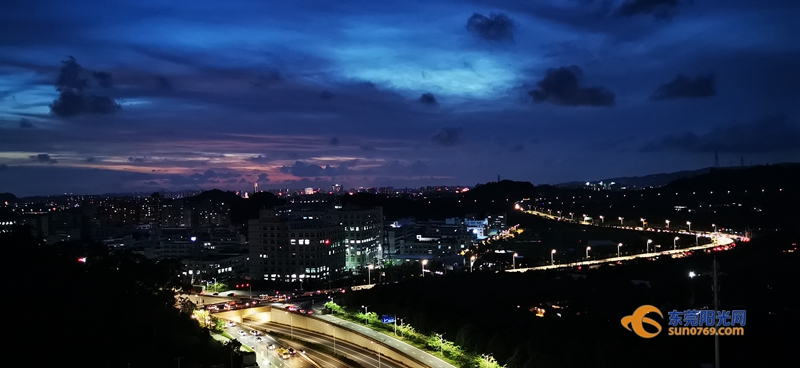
<point x="645" y="181"/>
<point x="8" y="197"/>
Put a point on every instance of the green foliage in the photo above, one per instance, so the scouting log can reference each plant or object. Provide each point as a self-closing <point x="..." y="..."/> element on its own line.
<point x="334" y="308"/>
<point x="218" y="325"/>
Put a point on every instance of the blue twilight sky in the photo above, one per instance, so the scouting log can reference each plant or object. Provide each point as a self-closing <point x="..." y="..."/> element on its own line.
<point x="108" y="96"/>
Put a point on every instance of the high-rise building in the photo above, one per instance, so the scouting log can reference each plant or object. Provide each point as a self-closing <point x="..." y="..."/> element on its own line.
<point x="337" y="188"/>
<point x="290" y="246"/>
<point x="363" y="230"/>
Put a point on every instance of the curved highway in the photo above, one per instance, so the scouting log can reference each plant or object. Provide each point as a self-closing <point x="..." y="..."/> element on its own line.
<point x="365" y="357"/>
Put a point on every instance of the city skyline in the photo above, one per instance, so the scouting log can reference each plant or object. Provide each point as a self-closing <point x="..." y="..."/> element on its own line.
<point x="141" y="96"/>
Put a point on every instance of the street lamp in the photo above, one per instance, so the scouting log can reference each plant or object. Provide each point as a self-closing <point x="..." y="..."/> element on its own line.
<point x="667" y="224"/>
<point x="379" y="353"/>
<point x="690" y="225"/>
<point x="618" y="245"/>
<point x="369" y="274"/>
<point x="365" y="313"/>
<point x="514" y="260"/>
<point x="602" y="220"/>
<point x="648" y="246"/>
<point x="643" y="223"/>
<point x="715" y="227"/>
<point x="571" y="216"/>
<point x="424" y="262"/>
<point x="675" y="243"/>
<point x="620" y="221"/>
<point x="587" y="252"/>
<point x="552" y="252"/>
<point x="471" y="262"/>
<point x="441" y="342"/>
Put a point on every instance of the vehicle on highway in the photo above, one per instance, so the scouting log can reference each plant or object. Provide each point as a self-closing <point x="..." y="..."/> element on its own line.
<point x="231" y="294"/>
<point x="215" y="294"/>
<point x="242" y="333"/>
<point x="230" y="324"/>
<point x="283" y="353"/>
<point x="255" y="333"/>
<point x="259" y="339"/>
<point x="271" y="346"/>
<point x="292" y="351"/>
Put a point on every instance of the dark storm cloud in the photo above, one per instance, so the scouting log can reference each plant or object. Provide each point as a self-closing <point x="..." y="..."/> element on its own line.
<point x="368" y="148"/>
<point x="71" y="76"/>
<point x="70" y="104"/>
<point x="302" y="169"/>
<point x="104" y="79"/>
<point x="74" y="98"/>
<point x="428" y="99"/>
<point x="661" y="9"/>
<point x="561" y="87"/>
<point x="334" y="142"/>
<point x="263" y="178"/>
<point x="137" y="159"/>
<point x="686" y="87"/>
<point x="326" y="95"/>
<point x="242" y="180"/>
<point x="448" y="137"/>
<point x="163" y="84"/>
<point x="43" y="157"/>
<point x="771" y="134"/>
<point x="25" y="124"/>
<point x="92" y="159"/>
<point x="495" y="27"/>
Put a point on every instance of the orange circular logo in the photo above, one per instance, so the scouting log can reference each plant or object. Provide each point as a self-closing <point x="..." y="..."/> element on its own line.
<point x="638" y="319"/>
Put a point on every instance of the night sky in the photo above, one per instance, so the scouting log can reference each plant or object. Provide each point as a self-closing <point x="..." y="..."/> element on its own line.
<point x="147" y="95"/>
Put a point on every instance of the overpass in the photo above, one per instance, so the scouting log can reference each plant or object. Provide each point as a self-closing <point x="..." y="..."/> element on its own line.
<point x="270" y="315"/>
<point x="716" y="241"/>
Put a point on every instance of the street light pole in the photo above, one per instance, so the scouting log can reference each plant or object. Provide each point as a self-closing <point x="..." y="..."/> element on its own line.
<point x="424" y="262"/>
<point x="715" y="227"/>
<point x="369" y="275"/>
<point x="552" y="252"/>
<point x="643" y="223"/>
<point x="602" y="220"/>
<point x="618" y="245"/>
<point x="675" y="243"/>
<point x="647" y="250"/>
<point x="620" y="221"/>
<point x="690" y="225"/>
<point x="471" y="262"/>
<point x="667" y="224"/>
<point x="514" y="261"/>
<point x="587" y="251"/>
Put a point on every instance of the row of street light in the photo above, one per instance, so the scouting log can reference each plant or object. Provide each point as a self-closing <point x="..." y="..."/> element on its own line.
<point x="622" y="220"/>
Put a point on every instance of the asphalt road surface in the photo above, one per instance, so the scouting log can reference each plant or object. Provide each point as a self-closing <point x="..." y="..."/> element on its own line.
<point x="365" y="357"/>
<point x="420" y="355"/>
<point x="266" y="357"/>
